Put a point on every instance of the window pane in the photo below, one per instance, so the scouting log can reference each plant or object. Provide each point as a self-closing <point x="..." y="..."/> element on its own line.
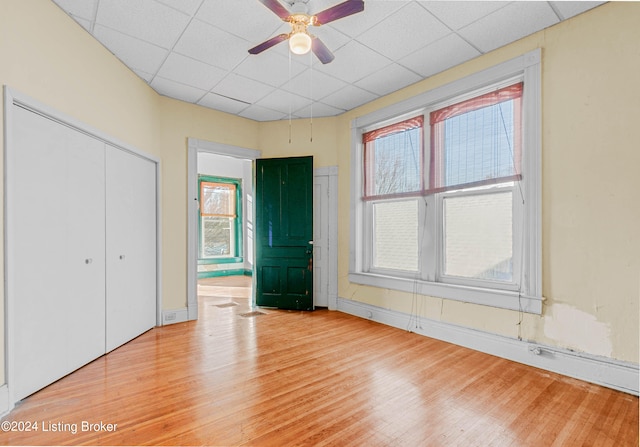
<point x="479" y="145"/>
<point x="397" y="163"/>
<point x="217" y="236"/>
<point x="477" y="141"/>
<point x="478" y="236"/>
<point x="396" y="235"/>
<point x="218" y="199"/>
<point x="393" y="158"/>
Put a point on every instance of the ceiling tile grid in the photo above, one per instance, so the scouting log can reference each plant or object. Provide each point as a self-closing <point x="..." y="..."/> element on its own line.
<point x="197" y="50"/>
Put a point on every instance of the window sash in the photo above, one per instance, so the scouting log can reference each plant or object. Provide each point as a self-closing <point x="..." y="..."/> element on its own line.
<point x="516" y="236"/>
<point x="438" y="150"/>
<point x="369" y="248"/>
<point x="230" y="240"/>
<point x="217" y="199"/>
<point x="371" y="162"/>
<point x="436" y="179"/>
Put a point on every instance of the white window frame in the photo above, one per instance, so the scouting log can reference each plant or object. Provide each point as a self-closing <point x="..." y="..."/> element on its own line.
<point x="527" y="296"/>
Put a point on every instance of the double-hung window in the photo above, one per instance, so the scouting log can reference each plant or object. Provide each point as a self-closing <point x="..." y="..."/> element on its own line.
<point x="445" y="198"/>
<point x="220" y="221"/>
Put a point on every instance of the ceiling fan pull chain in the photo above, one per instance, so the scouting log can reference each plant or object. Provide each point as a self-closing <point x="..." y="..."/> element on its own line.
<point x="290" y="97"/>
<point x="311" y="94"/>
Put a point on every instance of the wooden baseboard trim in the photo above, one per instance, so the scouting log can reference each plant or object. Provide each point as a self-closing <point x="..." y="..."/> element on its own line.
<point x="622" y="376"/>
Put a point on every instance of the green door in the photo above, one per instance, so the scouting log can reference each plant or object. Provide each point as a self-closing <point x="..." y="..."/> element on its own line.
<point x="284" y="233"/>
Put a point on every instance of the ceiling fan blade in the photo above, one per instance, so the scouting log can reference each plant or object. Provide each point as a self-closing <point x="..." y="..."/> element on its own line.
<point x="268" y="43"/>
<point x="277" y="8"/>
<point x="339" y="11"/>
<point x="321" y="51"/>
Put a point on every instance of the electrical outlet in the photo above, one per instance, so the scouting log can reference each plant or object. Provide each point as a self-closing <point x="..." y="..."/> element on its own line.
<point x="535" y="350"/>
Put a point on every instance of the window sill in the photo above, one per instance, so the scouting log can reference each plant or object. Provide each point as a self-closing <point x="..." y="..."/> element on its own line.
<point x="488" y="297"/>
<point x="230" y="260"/>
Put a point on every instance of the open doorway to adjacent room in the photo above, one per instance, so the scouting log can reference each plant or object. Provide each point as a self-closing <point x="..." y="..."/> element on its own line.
<point x="224" y="172"/>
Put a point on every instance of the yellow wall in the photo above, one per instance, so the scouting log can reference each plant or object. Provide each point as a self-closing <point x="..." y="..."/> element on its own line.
<point x="590" y="182"/>
<point x="591" y="273"/>
<point x="47" y="56"/>
<point x="315" y="137"/>
<point x="178" y="122"/>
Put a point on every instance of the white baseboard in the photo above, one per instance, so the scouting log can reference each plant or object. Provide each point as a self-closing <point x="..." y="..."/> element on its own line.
<point x="5" y="406"/>
<point x="603" y="371"/>
<point x="172" y="316"/>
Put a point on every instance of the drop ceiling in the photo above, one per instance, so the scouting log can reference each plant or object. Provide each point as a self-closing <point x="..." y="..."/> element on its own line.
<point x="196" y="50"/>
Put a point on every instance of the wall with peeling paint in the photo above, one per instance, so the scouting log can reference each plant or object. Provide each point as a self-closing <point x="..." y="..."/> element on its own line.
<point x="591" y="198"/>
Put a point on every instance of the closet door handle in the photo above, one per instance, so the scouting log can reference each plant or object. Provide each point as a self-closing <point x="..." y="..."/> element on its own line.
<point x="88" y="261"/>
<point x="121" y="257"/>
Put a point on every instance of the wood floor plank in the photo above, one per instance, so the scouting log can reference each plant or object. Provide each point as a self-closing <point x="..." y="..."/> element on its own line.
<point x="316" y="379"/>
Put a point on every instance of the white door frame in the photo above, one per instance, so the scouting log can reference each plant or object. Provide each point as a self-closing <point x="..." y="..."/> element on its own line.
<point x="195" y="146"/>
<point x="331" y="172"/>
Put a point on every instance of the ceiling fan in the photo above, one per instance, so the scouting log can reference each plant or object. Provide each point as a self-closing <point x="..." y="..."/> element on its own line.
<point x="300" y="40"/>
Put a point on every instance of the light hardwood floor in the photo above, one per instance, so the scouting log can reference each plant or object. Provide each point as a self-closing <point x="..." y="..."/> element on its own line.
<point x="314" y="378"/>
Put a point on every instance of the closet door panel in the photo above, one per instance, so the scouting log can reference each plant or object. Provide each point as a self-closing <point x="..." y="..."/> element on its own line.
<point x="131" y="246"/>
<point x="56" y="250"/>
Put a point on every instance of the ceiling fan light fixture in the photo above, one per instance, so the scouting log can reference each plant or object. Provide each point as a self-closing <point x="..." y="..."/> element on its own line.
<point x="300" y="43"/>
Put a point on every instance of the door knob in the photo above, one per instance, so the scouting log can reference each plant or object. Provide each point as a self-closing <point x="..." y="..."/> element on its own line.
<point x="121" y="256"/>
<point x="88" y="261"/>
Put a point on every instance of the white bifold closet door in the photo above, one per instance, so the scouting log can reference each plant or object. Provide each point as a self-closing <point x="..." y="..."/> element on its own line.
<point x="56" y="258"/>
<point x="81" y="249"/>
<point x="131" y="246"/>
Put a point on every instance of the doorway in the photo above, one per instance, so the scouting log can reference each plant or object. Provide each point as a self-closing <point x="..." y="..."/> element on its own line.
<point x="327" y="233"/>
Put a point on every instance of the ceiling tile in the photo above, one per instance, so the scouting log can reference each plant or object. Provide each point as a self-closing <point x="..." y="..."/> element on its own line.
<point x="136" y="54"/>
<point x="314" y="84"/>
<point x="570" y="9"/>
<point x="349" y="98"/>
<point x="243" y="89"/>
<point x="389" y="79"/>
<point x="283" y="102"/>
<point x="176" y="90"/>
<point x="191" y="72"/>
<point x="317" y="110"/>
<point x="183" y="48"/>
<point x="269" y="68"/>
<point x="144" y="19"/>
<point x="457" y="15"/>
<point x="258" y="113"/>
<point x="147" y="77"/>
<point x="447" y="52"/>
<point x="243" y="18"/>
<point x="391" y="39"/>
<point x="221" y="103"/>
<point x="85" y="9"/>
<point x="374" y="12"/>
<point x="86" y="24"/>
<point x="509" y="24"/>
<point x="186" y="6"/>
<point x="211" y="45"/>
<point x="354" y="61"/>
